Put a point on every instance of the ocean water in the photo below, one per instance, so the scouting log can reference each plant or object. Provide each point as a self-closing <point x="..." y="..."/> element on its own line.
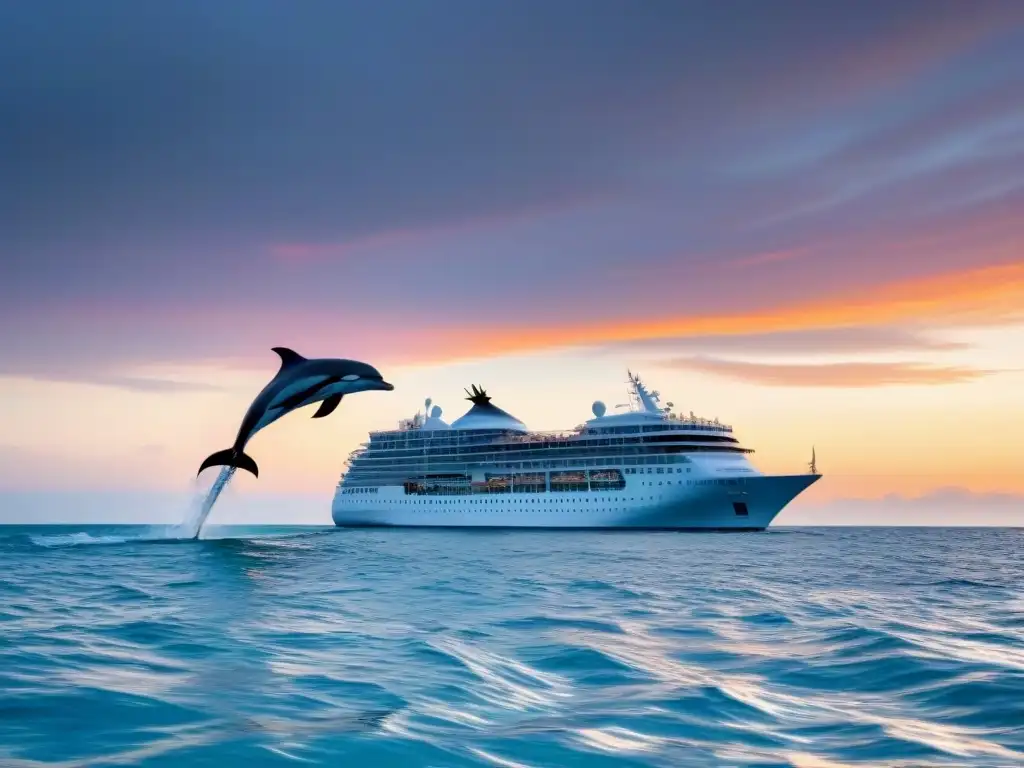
<point x="817" y="648"/>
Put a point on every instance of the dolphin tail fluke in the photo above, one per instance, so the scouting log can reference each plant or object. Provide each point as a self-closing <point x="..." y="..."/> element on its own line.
<point x="230" y="458"/>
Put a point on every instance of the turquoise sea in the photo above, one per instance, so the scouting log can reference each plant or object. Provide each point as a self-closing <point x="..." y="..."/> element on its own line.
<point x="816" y="648"/>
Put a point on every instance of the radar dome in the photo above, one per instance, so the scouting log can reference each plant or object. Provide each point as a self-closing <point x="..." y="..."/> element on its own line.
<point x="426" y="404"/>
<point x="598" y="408"/>
<point x="436" y="413"/>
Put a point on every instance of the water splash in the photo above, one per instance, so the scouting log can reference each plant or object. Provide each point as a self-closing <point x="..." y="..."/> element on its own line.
<point x="192" y="527"/>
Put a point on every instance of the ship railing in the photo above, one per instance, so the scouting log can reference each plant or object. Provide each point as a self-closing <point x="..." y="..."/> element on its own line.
<point x="530" y="437"/>
<point x="696" y="422"/>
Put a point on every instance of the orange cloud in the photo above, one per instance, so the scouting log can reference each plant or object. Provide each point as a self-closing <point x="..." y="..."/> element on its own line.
<point x="984" y="295"/>
<point x="831" y="374"/>
<point x="993" y="294"/>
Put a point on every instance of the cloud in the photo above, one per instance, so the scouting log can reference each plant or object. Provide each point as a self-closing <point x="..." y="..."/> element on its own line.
<point x="235" y="127"/>
<point x="811" y="341"/>
<point x="187" y="184"/>
<point x="940" y="507"/>
<point x="770" y="257"/>
<point x="829" y="374"/>
<point x="148" y="385"/>
<point x="77" y="343"/>
<point x="980" y="296"/>
<point x="131" y="383"/>
<point x="380" y="243"/>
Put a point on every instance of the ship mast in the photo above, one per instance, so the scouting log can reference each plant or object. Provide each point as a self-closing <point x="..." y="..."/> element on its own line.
<point x="642" y="399"/>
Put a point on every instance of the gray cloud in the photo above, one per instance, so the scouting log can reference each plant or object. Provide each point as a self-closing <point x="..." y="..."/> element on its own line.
<point x="129" y="122"/>
<point x="156" y="157"/>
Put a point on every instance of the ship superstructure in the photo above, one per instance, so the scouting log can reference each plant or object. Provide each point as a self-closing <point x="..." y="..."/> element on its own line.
<point x="641" y="466"/>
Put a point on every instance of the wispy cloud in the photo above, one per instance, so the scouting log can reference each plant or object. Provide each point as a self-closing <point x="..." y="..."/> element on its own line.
<point x="867" y="319"/>
<point x="942" y="506"/>
<point x="989" y="295"/>
<point x="811" y="341"/>
<point x="509" y="204"/>
<point x="770" y="257"/>
<point x="132" y="383"/>
<point x="416" y="237"/>
<point x="138" y="384"/>
<point x="829" y="374"/>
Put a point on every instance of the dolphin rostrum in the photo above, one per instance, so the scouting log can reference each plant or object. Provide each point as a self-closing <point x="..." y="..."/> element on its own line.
<point x="299" y="382"/>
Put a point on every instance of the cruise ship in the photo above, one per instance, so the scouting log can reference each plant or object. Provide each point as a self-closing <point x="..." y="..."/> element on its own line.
<point x="641" y="466"/>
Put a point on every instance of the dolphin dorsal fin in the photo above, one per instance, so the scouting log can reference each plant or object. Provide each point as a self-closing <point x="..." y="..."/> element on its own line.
<point x="288" y="357"/>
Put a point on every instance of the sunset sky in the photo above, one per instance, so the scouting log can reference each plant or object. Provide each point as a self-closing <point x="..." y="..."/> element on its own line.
<point x="803" y="218"/>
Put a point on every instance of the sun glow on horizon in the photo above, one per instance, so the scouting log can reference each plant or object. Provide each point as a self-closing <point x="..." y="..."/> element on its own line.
<point x="871" y="441"/>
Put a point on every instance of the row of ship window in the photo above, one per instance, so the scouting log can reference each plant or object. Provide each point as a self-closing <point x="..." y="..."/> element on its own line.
<point x="564" y="500"/>
<point x="654" y="470"/>
<point x="637" y="465"/>
<point x="488" y="435"/>
<point x="612" y="476"/>
<point x="712" y="481"/>
<point x="604" y="442"/>
<point x="463" y="491"/>
<point x="388" y="457"/>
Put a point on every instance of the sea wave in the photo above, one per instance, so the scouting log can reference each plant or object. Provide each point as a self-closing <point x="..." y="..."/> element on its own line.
<point x="265" y="647"/>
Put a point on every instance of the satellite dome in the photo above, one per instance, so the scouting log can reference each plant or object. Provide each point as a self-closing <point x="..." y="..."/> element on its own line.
<point x="433" y="420"/>
<point x="598" y="408"/>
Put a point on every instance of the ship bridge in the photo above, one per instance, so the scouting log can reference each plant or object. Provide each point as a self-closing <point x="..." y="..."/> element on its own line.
<point x="646" y="414"/>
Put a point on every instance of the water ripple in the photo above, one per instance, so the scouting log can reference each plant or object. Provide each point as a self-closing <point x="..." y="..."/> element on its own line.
<point x="811" y="649"/>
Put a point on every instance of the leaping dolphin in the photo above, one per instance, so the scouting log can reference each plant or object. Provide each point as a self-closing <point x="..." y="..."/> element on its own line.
<point x="299" y="382"/>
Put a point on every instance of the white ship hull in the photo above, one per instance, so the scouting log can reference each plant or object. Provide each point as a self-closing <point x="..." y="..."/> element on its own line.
<point x="710" y="506"/>
<point x="646" y="468"/>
